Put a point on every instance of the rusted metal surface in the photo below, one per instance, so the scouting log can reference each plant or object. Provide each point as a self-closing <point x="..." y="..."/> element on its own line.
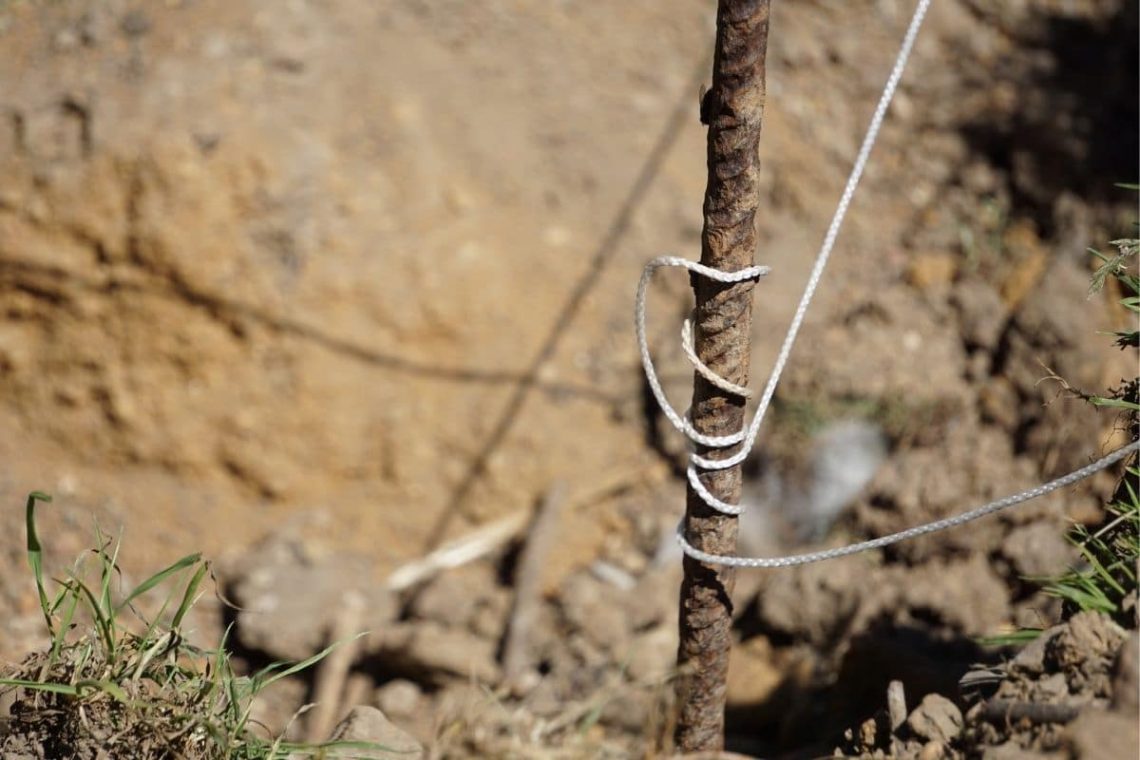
<point x="733" y="109"/>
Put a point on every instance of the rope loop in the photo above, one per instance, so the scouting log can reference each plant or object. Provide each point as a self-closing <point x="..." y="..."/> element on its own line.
<point x="746" y="438"/>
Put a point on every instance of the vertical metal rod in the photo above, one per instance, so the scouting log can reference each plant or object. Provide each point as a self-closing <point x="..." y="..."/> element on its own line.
<point x="733" y="110"/>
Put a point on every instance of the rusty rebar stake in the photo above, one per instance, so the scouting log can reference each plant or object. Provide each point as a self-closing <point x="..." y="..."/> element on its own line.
<point x="732" y="109"/>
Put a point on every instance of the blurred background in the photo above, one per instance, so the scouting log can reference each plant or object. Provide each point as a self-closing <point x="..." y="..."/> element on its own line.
<point x="319" y="287"/>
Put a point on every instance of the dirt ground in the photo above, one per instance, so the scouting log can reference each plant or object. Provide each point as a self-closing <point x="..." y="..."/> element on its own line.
<point x="358" y="277"/>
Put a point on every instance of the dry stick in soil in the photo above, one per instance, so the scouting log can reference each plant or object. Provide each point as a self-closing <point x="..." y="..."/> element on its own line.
<point x="333" y="671"/>
<point x="732" y="109"/>
<point x="517" y="648"/>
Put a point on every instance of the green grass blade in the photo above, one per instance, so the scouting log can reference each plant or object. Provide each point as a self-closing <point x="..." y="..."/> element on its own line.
<point x="107" y="568"/>
<point x="108" y="687"/>
<point x="1100" y="569"/>
<point x="1017" y="638"/>
<point x="190" y="595"/>
<point x="1133" y="499"/>
<point x="319" y="750"/>
<point x="271" y="674"/>
<point x="52" y="688"/>
<point x="1115" y="403"/>
<point x="35" y="552"/>
<point x="159" y="577"/>
<point x="147" y="638"/>
<point x="1082" y="599"/>
<point x="102" y="624"/>
<point x="60" y="634"/>
<point x="153" y="648"/>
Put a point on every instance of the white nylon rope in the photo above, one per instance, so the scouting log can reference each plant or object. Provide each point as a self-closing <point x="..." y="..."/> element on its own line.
<point x="920" y="530"/>
<point x="748" y="438"/>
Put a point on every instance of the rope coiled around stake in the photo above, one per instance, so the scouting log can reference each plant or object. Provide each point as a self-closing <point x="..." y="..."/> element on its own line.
<point x="747" y="437"/>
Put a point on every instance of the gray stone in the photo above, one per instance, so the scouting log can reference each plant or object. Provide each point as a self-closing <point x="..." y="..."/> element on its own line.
<point x="980" y="312"/>
<point x="654" y="600"/>
<point x="932" y="751"/>
<point x="653" y="654"/>
<point x="367" y="724"/>
<point x="1100" y="735"/>
<point x="399" y="697"/>
<point x="628" y="712"/>
<point x="288" y="600"/>
<point x="595" y="609"/>
<point x="451" y="651"/>
<point x="454" y="597"/>
<point x="1011" y="750"/>
<point x="1085" y="650"/>
<point x="1037" y="550"/>
<point x="1051" y="688"/>
<point x="1126" y="677"/>
<point x="1031" y="659"/>
<point x="937" y="719"/>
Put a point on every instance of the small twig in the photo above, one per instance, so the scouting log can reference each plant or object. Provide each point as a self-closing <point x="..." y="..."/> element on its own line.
<point x="1066" y="387"/>
<point x="1006" y="711"/>
<point x="355" y="691"/>
<point x="333" y="670"/>
<point x="478" y="543"/>
<point x="896" y="705"/>
<point x="517" y="652"/>
<point x="488" y="538"/>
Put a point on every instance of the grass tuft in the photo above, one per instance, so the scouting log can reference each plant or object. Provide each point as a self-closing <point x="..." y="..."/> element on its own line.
<point x="115" y="683"/>
<point x="1107" y="581"/>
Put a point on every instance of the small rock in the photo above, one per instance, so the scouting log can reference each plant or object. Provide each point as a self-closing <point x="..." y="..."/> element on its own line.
<point x="1126" y="677"/>
<point x="399" y="697"/>
<point x="999" y="403"/>
<point x="524" y="682"/>
<point x="868" y="733"/>
<point x="896" y="704"/>
<point x="1051" y="688"/>
<point x="754" y="675"/>
<point x="545" y="699"/>
<point x="928" y="270"/>
<point x="937" y="719"/>
<point x="594" y="608"/>
<point x="653" y="654"/>
<point x="490" y="621"/>
<point x="630" y="712"/>
<point x="1037" y="549"/>
<point x="451" y="598"/>
<point x="978" y="600"/>
<point x="1085" y="649"/>
<point x="452" y="651"/>
<point x="811" y="601"/>
<point x="1100" y="735"/>
<point x="367" y="724"/>
<point x="1031" y="659"/>
<point x="654" y="600"/>
<point x="932" y="751"/>
<point x="288" y="601"/>
<point x="981" y="313"/>
<point x="1011" y="750"/>
<point x="135" y="24"/>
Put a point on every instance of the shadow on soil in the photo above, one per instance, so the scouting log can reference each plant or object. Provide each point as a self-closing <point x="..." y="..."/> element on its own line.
<point x="808" y="720"/>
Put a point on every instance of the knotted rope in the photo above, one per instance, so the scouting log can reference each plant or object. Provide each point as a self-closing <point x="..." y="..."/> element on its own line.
<point x="748" y="437"/>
